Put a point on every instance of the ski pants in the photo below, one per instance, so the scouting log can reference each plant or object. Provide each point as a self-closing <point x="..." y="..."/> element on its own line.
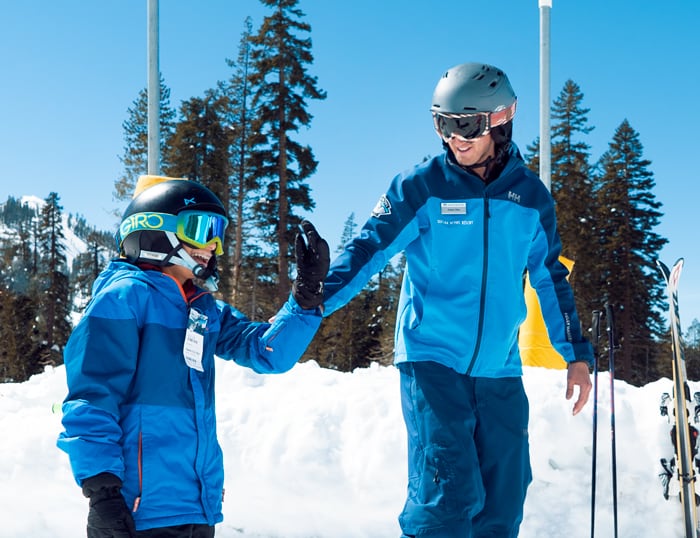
<point x="468" y="453"/>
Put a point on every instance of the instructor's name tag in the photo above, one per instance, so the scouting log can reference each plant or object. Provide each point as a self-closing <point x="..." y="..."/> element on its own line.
<point x="453" y="208"/>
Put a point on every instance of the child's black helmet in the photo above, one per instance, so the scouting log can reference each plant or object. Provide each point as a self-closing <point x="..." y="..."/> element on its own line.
<point x="166" y="212"/>
<point x="172" y="195"/>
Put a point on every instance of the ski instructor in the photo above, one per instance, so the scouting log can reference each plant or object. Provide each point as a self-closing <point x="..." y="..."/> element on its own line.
<point x="470" y="222"/>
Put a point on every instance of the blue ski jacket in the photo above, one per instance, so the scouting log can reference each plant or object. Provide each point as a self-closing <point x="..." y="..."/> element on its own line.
<point x="135" y="408"/>
<point x="467" y="245"/>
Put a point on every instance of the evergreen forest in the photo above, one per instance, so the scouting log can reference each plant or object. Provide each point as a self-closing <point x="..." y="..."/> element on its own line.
<point x="240" y="140"/>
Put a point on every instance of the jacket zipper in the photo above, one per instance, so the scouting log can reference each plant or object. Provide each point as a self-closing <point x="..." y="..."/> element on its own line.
<point x="482" y="298"/>
<point x="137" y="500"/>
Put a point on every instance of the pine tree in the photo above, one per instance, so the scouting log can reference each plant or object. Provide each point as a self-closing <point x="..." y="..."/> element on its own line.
<point x="35" y="290"/>
<point x="135" y="157"/>
<point x="692" y="350"/>
<point x="10" y="366"/>
<point x="199" y="145"/>
<point x="199" y="151"/>
<point x="88" y="265"/>
<point x="573" y="192"/>
<point x="13" y="212"/>
<point x="243" y="184"/>
<point x="54" y="301"/>
<point x="383" y="319"/>
<point x="18" y="298"/>
<point x="257" y="292"/>
<point x="363" y="331"/>
<point x="281" y="87"/>
<point x="19" y="354"/>
<point x="628" y="212"/>
<point x="16" y="256"/>
<point x="341" y="340"/>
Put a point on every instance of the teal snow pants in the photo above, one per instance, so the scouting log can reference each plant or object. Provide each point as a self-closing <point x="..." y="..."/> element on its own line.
<point x="468" y="453"/>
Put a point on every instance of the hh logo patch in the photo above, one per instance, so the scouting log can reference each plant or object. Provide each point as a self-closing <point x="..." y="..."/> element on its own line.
<point x="383" y="207"/>
<point x="453" y="208"/>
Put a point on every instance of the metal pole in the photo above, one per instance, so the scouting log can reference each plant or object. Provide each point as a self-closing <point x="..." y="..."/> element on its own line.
<point x="153" y="91"/>
<point x="612" y="347"/>
<point x="595" y="330"/>
<point x="545" y="137"/>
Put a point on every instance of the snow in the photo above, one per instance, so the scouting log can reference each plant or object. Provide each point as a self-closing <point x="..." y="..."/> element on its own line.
<point x="319" y="453"/>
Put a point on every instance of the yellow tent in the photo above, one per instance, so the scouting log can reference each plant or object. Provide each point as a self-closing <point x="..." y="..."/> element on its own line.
<point x="535" y="346"/>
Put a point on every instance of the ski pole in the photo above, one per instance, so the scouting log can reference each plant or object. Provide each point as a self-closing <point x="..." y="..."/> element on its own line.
<point x="612" y="346"/>
<point x="595" y="336"/>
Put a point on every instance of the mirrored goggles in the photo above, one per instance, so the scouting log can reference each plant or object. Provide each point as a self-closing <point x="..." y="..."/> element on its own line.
<point x="201" y="229"/>
<point x="470" y="126"/>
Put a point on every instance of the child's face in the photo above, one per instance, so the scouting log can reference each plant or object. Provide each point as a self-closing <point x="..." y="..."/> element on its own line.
<point x="200" y="255"/>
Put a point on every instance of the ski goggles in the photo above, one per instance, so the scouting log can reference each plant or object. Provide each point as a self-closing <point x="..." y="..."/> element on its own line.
<point x="196" y="228"/>
<point x="201" y="229"/>
<point x="470" y="126"/>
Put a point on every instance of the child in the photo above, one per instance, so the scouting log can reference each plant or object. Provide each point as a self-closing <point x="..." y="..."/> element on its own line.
<point x="139" y="418"/>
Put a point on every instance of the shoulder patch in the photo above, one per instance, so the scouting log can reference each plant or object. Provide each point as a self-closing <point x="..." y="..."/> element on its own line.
<point x="383" y="207"/>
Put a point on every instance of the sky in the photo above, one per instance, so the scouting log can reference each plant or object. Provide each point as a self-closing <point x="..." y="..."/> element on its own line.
<point x="320" y="453"/>
<point x="71" y="69"/>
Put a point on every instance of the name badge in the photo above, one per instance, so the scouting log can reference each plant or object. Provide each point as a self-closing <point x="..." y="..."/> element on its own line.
<point x="453" y="208"/>
<point x="193" y="348"/>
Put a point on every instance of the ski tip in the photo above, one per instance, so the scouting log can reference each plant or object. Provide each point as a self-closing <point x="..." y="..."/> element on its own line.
<point x="671" y="273"/>
<point x="676" y="272"/>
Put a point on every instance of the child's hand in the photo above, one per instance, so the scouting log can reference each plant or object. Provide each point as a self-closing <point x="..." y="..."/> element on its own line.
<point x="313" y="259"/>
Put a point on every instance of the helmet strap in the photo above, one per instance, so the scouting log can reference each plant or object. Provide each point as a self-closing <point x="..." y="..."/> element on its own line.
<point x="179" y="256"/>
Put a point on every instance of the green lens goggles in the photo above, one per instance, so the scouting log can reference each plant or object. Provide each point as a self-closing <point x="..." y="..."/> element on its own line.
<point x="201" y="229"/>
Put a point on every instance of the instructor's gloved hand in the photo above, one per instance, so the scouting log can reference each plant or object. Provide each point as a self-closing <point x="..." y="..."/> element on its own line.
<point x="313" y="259"/>
<point x="109" y="517"/>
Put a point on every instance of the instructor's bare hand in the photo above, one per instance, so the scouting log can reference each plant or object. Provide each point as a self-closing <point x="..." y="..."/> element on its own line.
<point x="577" y="375"/>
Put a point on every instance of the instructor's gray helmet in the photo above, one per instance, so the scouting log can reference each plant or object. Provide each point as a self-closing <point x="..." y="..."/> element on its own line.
<point x="472" y="87"/>
<point x="473" y="99"/>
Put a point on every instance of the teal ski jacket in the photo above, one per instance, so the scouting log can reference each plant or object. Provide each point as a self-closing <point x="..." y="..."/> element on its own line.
<point x="135" y="408"/>
<point x="467" y="246"/>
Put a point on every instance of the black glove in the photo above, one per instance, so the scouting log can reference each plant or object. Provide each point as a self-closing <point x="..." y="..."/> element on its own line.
<point x="109" y="517"/>
<point x="313" y="259"/>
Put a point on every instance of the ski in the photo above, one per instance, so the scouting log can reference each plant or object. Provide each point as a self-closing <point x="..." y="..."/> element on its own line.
<point x="682" y="404"/>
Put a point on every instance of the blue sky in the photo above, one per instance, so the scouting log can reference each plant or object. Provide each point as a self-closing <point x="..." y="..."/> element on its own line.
<point x="71" y="69"/>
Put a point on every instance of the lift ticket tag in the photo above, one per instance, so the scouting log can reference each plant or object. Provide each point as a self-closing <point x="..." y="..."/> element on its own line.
<point x="193" y="348"/>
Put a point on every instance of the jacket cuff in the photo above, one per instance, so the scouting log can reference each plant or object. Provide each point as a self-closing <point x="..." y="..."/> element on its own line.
<point x="102" y="481"/>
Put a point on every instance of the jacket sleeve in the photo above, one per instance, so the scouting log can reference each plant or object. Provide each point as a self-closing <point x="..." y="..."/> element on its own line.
<point x="548" y="278"/>
<point x="267" y="348"/>
<point x="391" y="227"/>
<point x="100" y="361"/>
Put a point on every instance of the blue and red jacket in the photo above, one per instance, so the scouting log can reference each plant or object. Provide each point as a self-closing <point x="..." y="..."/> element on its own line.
<point x="137" y="410"/>
<point x="467" y="246"/>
